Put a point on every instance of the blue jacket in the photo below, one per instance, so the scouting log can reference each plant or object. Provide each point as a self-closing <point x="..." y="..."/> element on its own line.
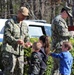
<point x="66" y="61"/>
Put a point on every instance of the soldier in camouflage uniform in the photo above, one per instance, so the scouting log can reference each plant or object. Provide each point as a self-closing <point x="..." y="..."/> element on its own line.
<point x="60" y="34"/>
<point x="15" y="38"/>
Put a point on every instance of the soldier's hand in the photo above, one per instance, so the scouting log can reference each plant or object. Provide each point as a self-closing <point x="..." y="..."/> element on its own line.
<point x="28" y="44"/>
<point x="20" y="42"/>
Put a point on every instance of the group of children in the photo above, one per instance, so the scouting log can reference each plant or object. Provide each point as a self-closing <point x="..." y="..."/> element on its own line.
<point x="39" y="56"/>
<point x="41" y="51"/>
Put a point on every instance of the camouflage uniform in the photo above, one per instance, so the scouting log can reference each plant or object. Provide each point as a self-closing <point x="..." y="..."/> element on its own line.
<point x="60" y="34"/>
<point x="35" y="64"/>
<point x="13" y="54"/>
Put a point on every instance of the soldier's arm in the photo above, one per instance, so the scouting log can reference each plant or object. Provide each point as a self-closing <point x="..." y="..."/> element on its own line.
<point x="27" y="38"/>
<point x="62" y="30"/>
<point x="8" y="33"/>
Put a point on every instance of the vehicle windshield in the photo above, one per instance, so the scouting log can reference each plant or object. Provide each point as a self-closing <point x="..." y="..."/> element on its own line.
<point x="47" y="30"/>
<point x="35" y="31"/>
<point x="1" y="33"/>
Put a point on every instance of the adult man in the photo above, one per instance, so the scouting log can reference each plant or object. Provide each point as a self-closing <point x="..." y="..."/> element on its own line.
<point x="60" y="34"/>
<point x="15" y="38"/>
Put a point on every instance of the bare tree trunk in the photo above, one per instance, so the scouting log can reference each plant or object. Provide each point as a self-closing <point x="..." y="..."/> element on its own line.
<point x="22" y="3"/>
<point x="36" y="8"/>
<point x="2" y="2"/>
<point x="52" y="10"/>
<point x="70" y="3"/>
<point x="5" y="6"/>
<point x="41" y="10"/>
<point x="11" y="9"/>
<point x="0" y="8"/>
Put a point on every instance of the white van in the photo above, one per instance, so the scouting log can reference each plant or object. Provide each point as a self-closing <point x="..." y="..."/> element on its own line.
<point x="36" y="28"/>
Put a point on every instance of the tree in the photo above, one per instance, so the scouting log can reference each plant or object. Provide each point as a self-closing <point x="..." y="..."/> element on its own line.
<point x="39" y="9"/>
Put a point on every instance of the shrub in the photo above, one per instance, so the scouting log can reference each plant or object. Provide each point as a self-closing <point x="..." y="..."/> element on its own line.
<point x="72" y="52"/>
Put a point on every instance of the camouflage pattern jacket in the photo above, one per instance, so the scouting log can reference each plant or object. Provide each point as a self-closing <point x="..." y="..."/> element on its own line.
<point x="35" y="64"/>
<point x="59" y="31"/>
<point x="12" y="32"/>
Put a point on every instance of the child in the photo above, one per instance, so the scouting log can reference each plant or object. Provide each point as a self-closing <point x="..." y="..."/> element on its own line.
<point x="65" y="57"/>
<point x="36" y="59"/>
<point x="44" y="40"/>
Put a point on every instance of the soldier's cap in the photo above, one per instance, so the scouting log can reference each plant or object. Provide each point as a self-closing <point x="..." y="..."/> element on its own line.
<point x="24" y="11"/>
<point x="68" y="10"/>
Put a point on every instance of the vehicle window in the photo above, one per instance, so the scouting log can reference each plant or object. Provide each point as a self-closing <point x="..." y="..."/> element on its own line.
<point x="1" y="37"/>
<point x="47" y="30"/>
<point x="2" y="23"/>
<point x="2" y="31"/>
<point x="35" y="31"/>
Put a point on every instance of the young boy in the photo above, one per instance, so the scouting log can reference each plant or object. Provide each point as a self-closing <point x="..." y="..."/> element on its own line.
<point x="66" y="59"/>
<point x="36" y="59"/>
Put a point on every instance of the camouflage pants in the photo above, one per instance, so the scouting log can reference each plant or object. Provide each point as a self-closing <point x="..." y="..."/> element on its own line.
<point x="13" y="65"/>
<point x="55" y="70"/>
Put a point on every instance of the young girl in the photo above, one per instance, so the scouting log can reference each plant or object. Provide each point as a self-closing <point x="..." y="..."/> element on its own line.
<point x="44" y="40"/>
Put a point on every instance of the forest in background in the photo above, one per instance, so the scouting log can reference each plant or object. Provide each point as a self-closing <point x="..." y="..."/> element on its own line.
<point x="39" y="9"/>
